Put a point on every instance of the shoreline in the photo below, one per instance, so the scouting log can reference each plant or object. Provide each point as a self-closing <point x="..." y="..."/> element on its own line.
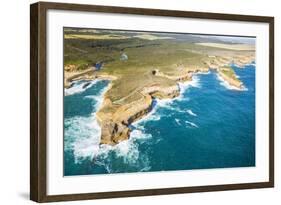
<point x="115" y="124"/>
<point x="142" y="133"/>
<point x="131" y="113"/>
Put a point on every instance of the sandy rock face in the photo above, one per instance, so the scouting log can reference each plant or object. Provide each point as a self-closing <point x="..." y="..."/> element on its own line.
<point x="162" y="92"/>
<point x="113" y="132"/>
<point x="115" y="124"/>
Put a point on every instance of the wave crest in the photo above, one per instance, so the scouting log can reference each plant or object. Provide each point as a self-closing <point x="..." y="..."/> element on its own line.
<point x="79" y="86"/>
<point x="191" y="123"/>
<point x="82" y="137"/>
<point x="191" y="113"/>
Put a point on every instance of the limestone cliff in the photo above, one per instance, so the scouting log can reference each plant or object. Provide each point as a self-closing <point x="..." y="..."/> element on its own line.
<point x="115" y="117"/>
<point x="115" y="122"/>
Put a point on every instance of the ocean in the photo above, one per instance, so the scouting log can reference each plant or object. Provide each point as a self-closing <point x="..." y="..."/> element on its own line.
<point x="210" y="125"/>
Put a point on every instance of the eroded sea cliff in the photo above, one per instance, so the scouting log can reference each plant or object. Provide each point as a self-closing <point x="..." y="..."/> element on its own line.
<point x="115" y="117"/>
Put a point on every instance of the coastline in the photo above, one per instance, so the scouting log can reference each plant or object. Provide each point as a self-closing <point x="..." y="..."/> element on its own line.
<point x="132" y="153"/>
<point x="140" y="101"/>
<point x="115" y="119"/>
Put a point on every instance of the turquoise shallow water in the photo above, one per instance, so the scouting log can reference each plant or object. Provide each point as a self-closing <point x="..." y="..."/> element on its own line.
<point x="209" y="126"/>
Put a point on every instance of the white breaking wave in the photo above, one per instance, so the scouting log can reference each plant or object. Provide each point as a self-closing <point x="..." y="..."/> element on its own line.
<point x="178" y="121"/>
<point x="96" y="98"/>
<point x="78" y="87"/>
<point x="127" y="150"/>
<point x="168" y="103"/>
<point x="140" y="134"/>
<point x="145" y="169"/>
<point x="153" y="115"/>
<point x="203" y="73"/>
<point x="82" y="136"/>
<point x="164" y="103"/>
<point x="228" y="86"/>
<point x="191" y="113"/>
<point x="191" y="123"/>
<point x="251" y="64"/>
<point x="195" y="82"/>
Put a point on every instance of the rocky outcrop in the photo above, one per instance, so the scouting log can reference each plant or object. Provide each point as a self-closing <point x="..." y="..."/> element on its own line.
<point x="115" y="124"/>
<point x="113" y="132"/>
<point x="115" y="118"/>
<point x="231" y="81"/>
<point x="160" y="92"/>
<point x="88" y="74"/>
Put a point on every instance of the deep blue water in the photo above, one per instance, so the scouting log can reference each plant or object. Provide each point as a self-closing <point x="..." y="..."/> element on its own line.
<point x="208" y="126"/>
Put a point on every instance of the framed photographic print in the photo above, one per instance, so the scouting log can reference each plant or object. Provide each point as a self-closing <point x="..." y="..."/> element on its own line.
<point x="134" y="102"/>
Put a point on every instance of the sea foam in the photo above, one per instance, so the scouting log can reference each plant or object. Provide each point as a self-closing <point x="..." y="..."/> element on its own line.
<point x="82" y="137"/>
<point x="82" y="134"/>
<point x="168" y="104"/>
<point x="79" y="86"/>
<point x="191" y="113"/>
<point x="127" y="150"/>
<point x="191" y="123"/>
<point x="195" y="82"/>
<point x="178" y="121"/>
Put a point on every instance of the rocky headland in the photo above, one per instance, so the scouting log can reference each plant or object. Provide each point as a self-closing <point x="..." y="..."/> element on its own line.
<point x="142" y="67"/>
<point x="116" y="116"/>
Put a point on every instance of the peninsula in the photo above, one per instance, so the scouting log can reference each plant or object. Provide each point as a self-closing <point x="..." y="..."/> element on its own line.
<point x="142" y="67"/>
